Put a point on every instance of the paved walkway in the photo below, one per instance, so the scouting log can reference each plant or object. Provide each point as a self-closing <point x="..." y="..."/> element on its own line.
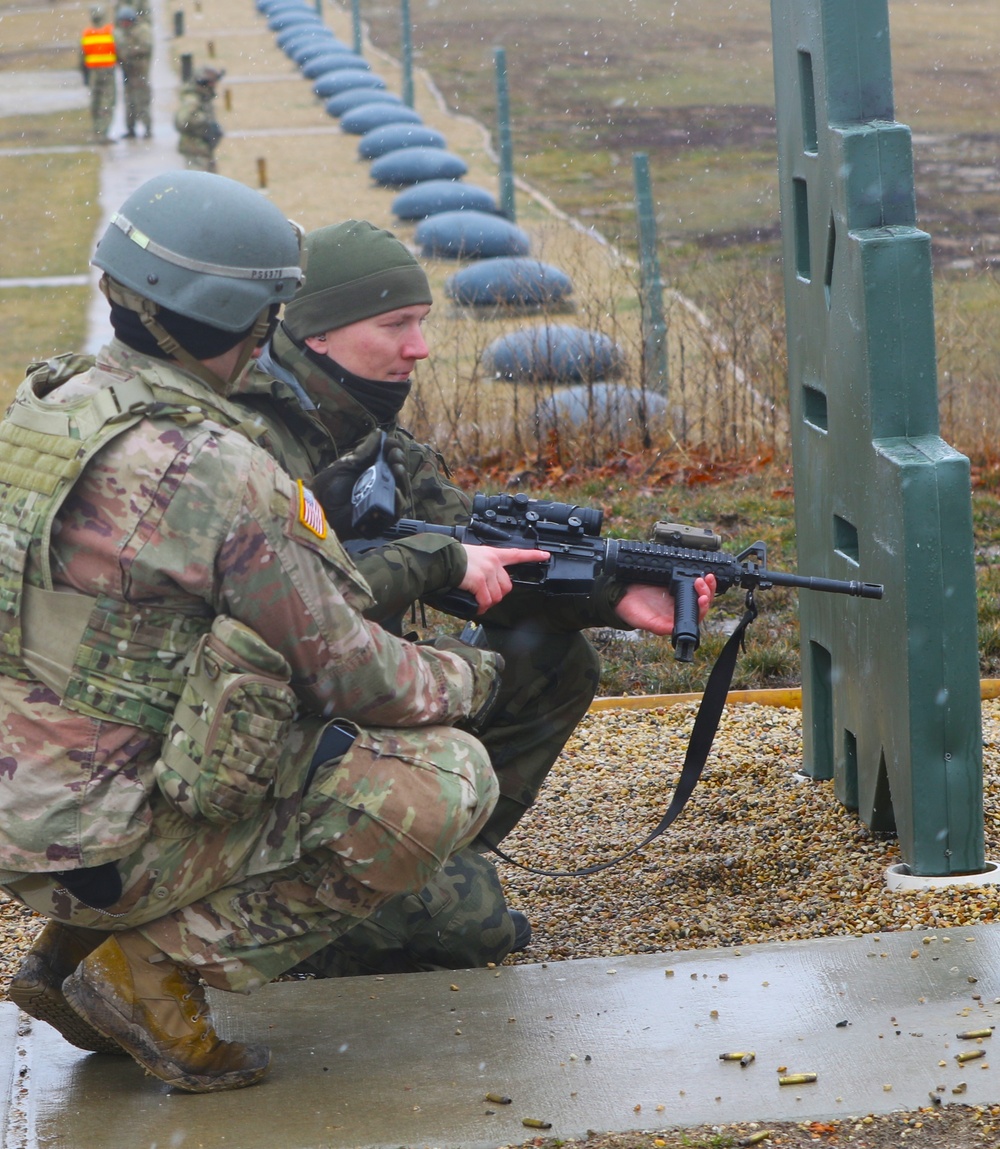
<point x="628" y="1043"/>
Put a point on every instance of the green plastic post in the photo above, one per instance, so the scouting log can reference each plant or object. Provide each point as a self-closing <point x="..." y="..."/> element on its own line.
<point x="891" y="698"/>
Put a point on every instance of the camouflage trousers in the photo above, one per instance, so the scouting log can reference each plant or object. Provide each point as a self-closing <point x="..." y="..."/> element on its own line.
<point x="135" y="88"/>
<point x="199" y="163"/>
<point x="102" y="99"/>
<point x="373" y="824"/>
<point x="549" y="681"/>
<point x="460" y="918"/>
<point x="457" y="921"/>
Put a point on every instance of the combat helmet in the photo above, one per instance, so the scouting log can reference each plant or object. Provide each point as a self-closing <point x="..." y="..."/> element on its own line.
<point x="204" y="247"/>
<point x="207" y="74"/>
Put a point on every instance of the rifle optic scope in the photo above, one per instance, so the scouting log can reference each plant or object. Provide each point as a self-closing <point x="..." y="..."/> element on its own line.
<point x="518" y="510"/>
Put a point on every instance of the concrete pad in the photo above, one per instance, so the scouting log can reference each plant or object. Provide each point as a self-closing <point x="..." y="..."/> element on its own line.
<point x="595" y="1044"/>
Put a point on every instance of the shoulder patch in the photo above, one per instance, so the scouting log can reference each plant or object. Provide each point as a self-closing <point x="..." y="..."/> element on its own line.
<point x="310" y="512"/>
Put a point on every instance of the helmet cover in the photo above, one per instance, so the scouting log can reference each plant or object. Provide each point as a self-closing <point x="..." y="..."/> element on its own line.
<point x="205" y="246"/>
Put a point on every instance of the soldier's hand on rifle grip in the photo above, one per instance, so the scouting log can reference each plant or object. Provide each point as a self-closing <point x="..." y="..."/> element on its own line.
<point x="651" y="608"/>
<point x="486" y="576"/>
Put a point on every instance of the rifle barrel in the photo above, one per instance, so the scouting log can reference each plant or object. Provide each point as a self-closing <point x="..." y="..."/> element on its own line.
<point x="829" y="585"/>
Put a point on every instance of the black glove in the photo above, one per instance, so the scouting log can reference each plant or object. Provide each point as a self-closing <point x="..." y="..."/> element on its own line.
<point x="334" y="485"/>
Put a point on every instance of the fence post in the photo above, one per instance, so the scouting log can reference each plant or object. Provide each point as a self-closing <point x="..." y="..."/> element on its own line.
<point x="356" y="25"/>
<point x="655" y="375"/>
<point x="503" y="135"/>
<point x="407" y="35"/>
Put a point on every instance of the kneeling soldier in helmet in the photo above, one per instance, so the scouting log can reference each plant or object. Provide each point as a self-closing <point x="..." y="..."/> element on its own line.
<point x="213" y="764"/>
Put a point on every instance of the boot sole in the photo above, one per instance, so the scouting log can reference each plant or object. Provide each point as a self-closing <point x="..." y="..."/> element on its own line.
<point x="46" y="1003"/>
<point x="132" y="1039"/>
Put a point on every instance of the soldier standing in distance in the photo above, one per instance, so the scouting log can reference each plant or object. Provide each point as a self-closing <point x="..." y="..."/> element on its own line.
<point x="197" y="127"/>
<point x="214" y="764"/>
<point x="97" y="60"/>
<point x="134" y="48"/>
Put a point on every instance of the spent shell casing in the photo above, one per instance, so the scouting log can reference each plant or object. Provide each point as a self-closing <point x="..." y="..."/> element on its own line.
<point x="738" y="1055"/>
<point x="535" y="1123"/>
<point x="498" y="1098"/>
<point x="747" y="1058"/>
<point x="797" y="1079"/>
<point x="754" y="1138"/>
<point x="969" y="1055"/>
<point x="972" y="1034"/>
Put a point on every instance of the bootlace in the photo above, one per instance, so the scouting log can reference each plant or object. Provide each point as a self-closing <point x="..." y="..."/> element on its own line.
<point x="195" y="994"/>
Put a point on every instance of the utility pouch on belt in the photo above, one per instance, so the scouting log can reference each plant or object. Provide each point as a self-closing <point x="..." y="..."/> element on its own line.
<point x="221" y="748"/>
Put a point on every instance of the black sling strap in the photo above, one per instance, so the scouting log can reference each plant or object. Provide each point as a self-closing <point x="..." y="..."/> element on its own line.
<point x="706" y="723"/>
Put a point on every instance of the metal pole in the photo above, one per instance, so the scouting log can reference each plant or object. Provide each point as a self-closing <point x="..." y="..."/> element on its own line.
<point x="407" y="53"/>
<point x="356" y="24"/>
<point x="654" y="325"/>
<point x="503" y="135"/>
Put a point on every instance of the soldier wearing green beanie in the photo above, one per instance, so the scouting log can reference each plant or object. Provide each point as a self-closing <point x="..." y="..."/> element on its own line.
<point x="334" y="376"/>
<point x="356" y="271"/>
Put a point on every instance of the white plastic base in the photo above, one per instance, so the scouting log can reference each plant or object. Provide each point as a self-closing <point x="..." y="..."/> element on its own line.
<point x="898" y="877"/>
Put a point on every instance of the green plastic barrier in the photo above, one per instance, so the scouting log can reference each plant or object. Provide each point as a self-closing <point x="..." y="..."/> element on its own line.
<point x="891" y="699"/>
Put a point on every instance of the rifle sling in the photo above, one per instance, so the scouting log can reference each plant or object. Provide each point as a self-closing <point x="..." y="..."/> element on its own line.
<point x="699" y="745"/>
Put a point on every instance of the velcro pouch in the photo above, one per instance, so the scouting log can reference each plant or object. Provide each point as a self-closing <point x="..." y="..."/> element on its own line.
<point x="219" y="753"/>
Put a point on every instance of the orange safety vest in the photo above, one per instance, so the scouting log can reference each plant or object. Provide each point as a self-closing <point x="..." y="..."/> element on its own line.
<point x="99" y="47"/>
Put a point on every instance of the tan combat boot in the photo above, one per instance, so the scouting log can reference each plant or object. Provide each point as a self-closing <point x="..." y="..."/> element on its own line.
<point x="37" y="986"/>
<point x="156" y="1010"/>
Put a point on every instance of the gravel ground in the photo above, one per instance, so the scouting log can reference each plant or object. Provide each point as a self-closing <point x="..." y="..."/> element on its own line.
<point x="758" y="855"/>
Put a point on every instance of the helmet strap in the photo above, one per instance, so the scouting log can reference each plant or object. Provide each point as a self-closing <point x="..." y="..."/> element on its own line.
<point x="147" y="310"/>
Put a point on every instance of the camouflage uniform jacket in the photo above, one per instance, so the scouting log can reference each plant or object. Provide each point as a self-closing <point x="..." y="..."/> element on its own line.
<point x="134" y="46"/>
<point x="199" y="130"/>
<point x="279" y="392"/>
<point x="300" y="401"/>
<point x="179" y="518"/>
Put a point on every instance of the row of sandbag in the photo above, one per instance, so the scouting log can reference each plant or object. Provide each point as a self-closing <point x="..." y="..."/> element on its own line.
<point x="454" y="220"/>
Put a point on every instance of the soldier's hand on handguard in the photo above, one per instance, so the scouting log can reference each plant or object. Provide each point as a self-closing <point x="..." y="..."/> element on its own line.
<point x="652" y="607"/>
<point x="334" y="485"/>
<point x="486" y="574"/>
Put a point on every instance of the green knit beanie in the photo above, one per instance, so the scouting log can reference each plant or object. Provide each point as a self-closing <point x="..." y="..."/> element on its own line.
<point x="354" y="270"/>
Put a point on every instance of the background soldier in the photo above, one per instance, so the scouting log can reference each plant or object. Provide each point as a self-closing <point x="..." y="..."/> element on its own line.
<point x="198" y="129"/>
<point x="134" y="48"/>
<point x="97" y="60"/>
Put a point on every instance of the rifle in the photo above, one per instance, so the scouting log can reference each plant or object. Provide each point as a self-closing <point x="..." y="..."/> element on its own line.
<point x="676" y="556"/>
